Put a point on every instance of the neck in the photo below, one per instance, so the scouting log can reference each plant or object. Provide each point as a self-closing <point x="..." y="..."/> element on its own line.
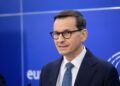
<point x="72" y="56"/>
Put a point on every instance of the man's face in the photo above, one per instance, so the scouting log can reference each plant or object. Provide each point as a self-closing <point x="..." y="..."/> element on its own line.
<point x="73" y="45"/>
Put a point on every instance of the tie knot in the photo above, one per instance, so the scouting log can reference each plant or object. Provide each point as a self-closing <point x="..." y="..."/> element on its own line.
<point x="69" y="65"/>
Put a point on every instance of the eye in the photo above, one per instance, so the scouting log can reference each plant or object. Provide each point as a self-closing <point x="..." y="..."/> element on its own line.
<point x="66" y="32"/>
<point x="56" y="33"/>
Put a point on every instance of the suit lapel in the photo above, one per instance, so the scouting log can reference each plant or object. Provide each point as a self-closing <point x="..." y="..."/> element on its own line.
<point x="86" y="70"/>
<point x="54" y="72"/>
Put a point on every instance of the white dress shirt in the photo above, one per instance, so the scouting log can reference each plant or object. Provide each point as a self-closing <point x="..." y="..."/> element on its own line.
<point x="76" y="62"/>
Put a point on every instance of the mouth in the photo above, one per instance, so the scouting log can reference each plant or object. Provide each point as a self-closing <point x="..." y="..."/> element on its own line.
<point x="63" y="47"/>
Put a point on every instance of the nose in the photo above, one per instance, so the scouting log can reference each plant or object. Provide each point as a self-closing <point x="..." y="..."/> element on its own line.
<point x="61" y="38"/>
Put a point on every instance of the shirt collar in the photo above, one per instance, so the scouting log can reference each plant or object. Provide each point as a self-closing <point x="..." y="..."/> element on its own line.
<point x="77" y="60"/>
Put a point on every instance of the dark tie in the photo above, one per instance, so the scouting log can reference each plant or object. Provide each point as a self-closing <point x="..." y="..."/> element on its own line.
<point x="67" y="79"/>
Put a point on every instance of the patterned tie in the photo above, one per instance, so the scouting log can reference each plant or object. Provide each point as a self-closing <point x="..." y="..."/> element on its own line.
<point x="67" y="79"/>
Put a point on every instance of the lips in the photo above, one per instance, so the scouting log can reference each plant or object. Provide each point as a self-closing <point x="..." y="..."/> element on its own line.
<point x="63" y="47"/>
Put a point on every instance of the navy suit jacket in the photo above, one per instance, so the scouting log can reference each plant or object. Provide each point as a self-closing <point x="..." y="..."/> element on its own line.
<point x="93" y="72"/>
<point x="2" y="81"/>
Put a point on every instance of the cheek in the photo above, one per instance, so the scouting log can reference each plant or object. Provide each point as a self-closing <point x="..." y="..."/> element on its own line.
<point x="55" y="43"/>
<point x="77" y="38"/>
<point x="76" y="41"/>
<point x="80" y="38"/>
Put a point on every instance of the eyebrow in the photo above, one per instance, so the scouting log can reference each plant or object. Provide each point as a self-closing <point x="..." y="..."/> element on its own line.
<point x="64" y="30"/>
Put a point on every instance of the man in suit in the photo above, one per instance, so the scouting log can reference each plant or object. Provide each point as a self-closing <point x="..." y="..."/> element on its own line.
<point x="85" y="69"/>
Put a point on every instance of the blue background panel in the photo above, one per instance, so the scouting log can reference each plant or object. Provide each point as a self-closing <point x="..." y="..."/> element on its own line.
<point x="10" y="50"/>
<point x="48" y="5"/>
<point x="9" y="6"/>
<point x="103" y="36"/>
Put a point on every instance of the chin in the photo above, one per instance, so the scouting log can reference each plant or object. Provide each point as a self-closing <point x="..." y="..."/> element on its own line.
<point x="63" y="53"/>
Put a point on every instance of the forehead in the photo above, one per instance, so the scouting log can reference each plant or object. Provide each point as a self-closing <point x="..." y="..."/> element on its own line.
<point x="61" y="24"/>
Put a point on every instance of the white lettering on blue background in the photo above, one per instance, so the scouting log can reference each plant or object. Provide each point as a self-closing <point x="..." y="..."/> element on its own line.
<point x="33" y="74"/>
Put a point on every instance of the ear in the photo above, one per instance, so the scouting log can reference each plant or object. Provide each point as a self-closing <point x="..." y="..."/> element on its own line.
<point x="84" y="34"/>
